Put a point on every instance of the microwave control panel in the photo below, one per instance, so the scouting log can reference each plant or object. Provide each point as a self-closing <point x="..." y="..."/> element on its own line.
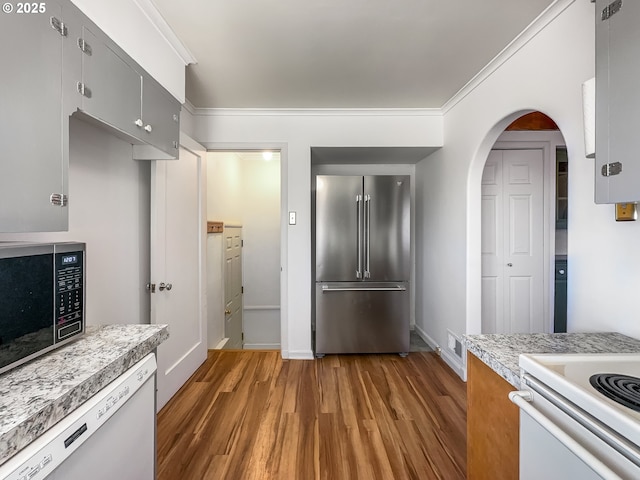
<point x="69" y="273"/>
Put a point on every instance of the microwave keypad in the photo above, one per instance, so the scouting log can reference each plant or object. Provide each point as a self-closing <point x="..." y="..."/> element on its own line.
<point x="69" y="294"/>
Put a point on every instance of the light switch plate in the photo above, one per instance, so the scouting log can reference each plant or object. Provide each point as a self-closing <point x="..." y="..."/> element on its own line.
<point x="292" y="218"/>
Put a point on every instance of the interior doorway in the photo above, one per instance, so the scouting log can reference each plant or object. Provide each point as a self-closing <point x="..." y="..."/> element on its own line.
<point x="244" y="192"/>
<point x="524" y="219"/>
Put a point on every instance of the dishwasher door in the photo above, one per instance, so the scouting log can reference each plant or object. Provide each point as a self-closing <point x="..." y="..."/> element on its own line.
<point x="123" y="448"/>
<point x="111" y="436"/>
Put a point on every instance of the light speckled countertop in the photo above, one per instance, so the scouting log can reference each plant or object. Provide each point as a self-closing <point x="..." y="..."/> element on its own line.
<point x="37" y="395"/>
<point x="500" y="351"/>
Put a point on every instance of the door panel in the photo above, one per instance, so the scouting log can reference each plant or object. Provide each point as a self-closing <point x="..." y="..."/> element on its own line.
<point x="512" y="242"/>
<point x="33" y="160"/>
<point x="337" y="227"/>
<point x="114" y="88"/>
<point x="177" y="253"/>
<point x="524" y="220"/>
<point x="492" y="245"/>
<point x="491" y="308"/>
<point x="233" y="287"/>
<point x="519" y="225"/>
<point x="387" y="220"/>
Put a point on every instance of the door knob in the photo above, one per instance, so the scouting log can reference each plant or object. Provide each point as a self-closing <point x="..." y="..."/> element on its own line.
<point x="227" y="312"/>
<point x="164" y="286"/>
<point x="509" y="264"/>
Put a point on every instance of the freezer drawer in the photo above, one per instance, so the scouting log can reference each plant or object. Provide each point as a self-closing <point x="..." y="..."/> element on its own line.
<point x="362" y="317"/>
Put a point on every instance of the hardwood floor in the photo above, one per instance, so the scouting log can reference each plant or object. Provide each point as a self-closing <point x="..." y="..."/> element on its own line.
<point x="251" y="415"/>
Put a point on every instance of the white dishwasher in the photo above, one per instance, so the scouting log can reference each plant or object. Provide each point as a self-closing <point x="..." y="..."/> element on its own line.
<point x="111" y="436"/>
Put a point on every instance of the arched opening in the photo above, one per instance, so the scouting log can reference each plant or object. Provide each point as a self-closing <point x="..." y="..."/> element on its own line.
<point x="523" y="219"/>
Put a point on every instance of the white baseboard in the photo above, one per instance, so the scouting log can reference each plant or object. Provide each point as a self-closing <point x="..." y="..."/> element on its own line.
<point x="453" y="361"/>
<point x="221" y="344"/>
<point x="298" y="354"/>
<point x="261" y="346"/>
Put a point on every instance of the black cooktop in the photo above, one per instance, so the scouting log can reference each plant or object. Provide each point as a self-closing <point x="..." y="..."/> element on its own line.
<point x="623" y="389"/>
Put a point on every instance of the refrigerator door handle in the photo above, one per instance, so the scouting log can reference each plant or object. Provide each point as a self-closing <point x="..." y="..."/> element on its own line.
<point x="359" y="235"/>
<point x="367" y="233"/>
<point x="394" y="288"/>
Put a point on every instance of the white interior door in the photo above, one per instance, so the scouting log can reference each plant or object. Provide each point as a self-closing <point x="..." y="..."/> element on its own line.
<point x="513" y="242"/>
<point x="233" y="287"/>
<point x="177" y="265"/>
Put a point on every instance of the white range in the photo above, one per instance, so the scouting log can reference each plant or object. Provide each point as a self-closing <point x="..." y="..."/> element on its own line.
<point x="579" y="416"/>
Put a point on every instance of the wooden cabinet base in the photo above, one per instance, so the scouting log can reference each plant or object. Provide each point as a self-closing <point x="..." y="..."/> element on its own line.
<point x="492" y="425"/>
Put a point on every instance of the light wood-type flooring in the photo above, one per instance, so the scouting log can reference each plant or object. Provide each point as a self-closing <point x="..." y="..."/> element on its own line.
<point x="251" y="415"/>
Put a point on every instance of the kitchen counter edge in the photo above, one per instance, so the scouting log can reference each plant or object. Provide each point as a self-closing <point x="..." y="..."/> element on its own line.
<point x="37" y="395"/>
<point x="500" y="352"/>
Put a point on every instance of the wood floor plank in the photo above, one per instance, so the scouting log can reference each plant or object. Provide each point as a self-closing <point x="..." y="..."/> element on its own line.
<point x="251" y="415"/>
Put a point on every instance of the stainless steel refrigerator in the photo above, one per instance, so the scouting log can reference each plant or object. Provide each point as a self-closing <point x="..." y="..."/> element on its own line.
<point x="362" y="255"/>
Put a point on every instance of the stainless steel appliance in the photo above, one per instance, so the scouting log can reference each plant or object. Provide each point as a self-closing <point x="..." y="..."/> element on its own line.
<point x="362" y="264"/>
<point x="41" y="299"/>
<point x="579" y="416"/>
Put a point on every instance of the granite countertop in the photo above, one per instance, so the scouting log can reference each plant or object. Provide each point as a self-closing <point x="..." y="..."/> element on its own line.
<point x="37" y="395"/>
<point x="500" y="351"/>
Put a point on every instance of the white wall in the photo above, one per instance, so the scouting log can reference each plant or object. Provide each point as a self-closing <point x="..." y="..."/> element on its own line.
<point x="261" y="253"/>
<point x="295" y="132"/>
<point x="109" y="205"/>
<point x="546" y="75"/>
<point x="130" y="27"/>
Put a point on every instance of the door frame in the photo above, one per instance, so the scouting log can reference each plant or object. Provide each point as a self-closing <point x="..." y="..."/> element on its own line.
<point x="284" y="222"/>
<point x="547" y="141"/>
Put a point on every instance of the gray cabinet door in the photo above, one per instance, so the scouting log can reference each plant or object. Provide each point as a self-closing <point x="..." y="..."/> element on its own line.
<point x="113" y="89"/>
<point x="31" y="124"/>
<point x="617" y="101"/>
<point x="161" y="117"/>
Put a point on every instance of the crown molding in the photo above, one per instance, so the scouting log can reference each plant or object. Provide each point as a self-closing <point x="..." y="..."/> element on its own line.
<point x="315" y="112"/>
<point x="529" y="33"/>
<point x="158" y="21"/>
<point x="189" y="107"/>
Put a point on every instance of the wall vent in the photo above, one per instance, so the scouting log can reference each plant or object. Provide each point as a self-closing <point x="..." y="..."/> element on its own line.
<point x="454" y="343"/>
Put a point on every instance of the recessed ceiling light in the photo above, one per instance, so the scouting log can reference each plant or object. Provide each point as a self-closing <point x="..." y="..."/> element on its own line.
<point x="267" y="155"/>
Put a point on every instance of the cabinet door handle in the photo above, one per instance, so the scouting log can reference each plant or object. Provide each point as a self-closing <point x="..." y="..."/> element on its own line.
<point x="138" y="122"/>
<point x="148" y="128"/>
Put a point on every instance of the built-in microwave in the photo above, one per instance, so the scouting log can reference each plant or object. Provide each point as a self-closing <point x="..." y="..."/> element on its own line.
<point x="42" y="298"/>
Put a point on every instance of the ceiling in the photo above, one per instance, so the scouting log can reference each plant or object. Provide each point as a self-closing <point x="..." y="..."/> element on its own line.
<point x="340" y="53"/>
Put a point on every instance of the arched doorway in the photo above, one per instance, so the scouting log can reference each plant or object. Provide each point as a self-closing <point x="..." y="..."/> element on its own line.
<point x="523" y="225"/>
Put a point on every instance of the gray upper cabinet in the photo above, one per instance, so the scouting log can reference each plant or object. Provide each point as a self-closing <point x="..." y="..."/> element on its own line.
<point x="161" y="117"/>
<point x="617" y="101"/>
<point x="34" y="147"/>
<point x="110" y="87"/>
<point x="117" y="92"/>
<point x="58" y="64"/>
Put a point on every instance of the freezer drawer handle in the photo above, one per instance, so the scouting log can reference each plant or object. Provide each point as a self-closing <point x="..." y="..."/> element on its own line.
<point x="395" y="288"/>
